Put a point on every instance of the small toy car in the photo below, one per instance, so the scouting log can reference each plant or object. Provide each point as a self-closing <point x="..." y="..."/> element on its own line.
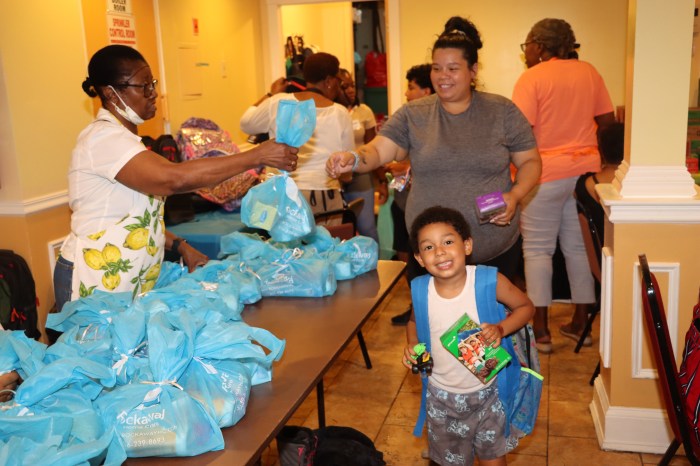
<point x="423" y="364"/>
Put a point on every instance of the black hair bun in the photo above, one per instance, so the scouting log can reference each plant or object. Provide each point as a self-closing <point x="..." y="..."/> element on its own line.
<point x="89" y="88"/>
<point x="462" y="25"/>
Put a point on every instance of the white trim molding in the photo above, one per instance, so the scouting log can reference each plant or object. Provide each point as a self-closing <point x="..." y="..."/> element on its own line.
<point x="33" y="205"/>
<point x="54" y="250"/>
<point x="606" y="315"/>
<point x="679" y="210"/>
<point x="672" y="269"/>
<point x="645" y="181"/>
<point x="628" y="429"/>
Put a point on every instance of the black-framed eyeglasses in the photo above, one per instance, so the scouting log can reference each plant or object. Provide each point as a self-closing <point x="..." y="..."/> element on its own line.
<point x="147" y="88"/>
<point x="525" y="44"/>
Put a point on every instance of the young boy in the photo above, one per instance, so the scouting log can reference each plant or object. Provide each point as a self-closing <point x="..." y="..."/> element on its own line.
<point x="466" y="419"/>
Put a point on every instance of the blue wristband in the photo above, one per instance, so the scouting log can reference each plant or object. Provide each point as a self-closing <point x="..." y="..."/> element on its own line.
<point x="357" y="160"/>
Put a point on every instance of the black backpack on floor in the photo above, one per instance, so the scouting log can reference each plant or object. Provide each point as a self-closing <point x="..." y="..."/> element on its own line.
<point x="18" y="301"/>
<point x="330" y="446"/>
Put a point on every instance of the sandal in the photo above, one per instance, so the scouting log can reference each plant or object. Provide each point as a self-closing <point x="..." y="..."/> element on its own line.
<point x="543" y="343"/>
<point x="566" y="331"/>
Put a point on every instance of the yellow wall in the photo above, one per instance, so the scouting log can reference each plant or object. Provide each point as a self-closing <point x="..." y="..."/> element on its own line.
<point x="599" y="25"/>
<point x="96" y="37"/>
<point x="632" y="240"/>
<point x="325" y="25"/>
<point x="228" y="49"/>
<point x="43" y="106"/>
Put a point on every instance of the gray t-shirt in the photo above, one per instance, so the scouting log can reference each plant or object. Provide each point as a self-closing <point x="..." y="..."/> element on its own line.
<point x="455" y="158"/>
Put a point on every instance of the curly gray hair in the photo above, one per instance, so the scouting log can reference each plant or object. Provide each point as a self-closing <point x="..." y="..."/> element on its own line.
<point x="555" y="35"/>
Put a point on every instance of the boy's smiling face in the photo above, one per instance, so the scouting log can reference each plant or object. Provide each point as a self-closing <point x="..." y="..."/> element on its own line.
<point x="442" y="251"/>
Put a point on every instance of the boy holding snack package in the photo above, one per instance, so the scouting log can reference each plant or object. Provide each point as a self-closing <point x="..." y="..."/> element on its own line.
<point x="467" y="418"/>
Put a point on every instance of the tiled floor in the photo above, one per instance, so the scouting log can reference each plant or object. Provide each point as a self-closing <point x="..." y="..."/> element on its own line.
<point x="383" y="402"/>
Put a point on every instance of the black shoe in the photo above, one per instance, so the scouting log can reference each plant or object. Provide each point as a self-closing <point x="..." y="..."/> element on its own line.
<point x="403" y="318"/>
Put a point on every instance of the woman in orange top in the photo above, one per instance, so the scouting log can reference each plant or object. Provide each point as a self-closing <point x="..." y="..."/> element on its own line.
<point x="566" y="102"/>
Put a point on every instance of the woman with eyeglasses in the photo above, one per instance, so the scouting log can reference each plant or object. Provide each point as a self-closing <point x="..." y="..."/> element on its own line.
<point x="566" y="102"/>
<point x="117" y="187"/>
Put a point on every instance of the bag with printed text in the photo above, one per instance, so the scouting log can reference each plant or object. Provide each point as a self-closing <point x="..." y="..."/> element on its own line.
<point x="298" y="274"/>
<point x="278" y="207"/>
<point x="157" y="417"/>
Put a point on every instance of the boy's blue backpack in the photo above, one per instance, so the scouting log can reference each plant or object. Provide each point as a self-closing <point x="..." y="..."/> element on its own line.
<point x="18" y="300"/>
<point x="525" y="349"/>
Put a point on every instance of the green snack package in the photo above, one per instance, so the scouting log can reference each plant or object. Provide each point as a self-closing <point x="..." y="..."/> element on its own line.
<point x="463" y="339"/>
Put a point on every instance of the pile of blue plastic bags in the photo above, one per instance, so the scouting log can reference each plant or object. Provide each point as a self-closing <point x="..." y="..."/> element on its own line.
<point x="162" y="374"/>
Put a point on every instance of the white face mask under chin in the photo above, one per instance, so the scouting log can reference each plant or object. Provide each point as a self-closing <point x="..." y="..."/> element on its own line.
<point x="128" y="113"/>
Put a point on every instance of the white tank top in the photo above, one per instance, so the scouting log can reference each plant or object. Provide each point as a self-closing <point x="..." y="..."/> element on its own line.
<point x="448" y="372"/>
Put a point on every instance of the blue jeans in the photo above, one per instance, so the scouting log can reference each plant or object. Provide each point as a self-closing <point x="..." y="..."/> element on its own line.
<point x="361" y="187"/>
<point x="62" y="281"/>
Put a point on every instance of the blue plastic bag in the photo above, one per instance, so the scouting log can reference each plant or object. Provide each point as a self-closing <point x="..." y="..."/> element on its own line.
<point x="295" y="122"/>
<point x="189" y="294"/>
<point x="362" y="252"/>
<point x="157" y="417"/>
<point x="169" y="272"/>
<point x="298" y="274"/>
<point x="20" y="353"/>
<point x="54" y="409"/>
<point x="92" y="341"/>
<point x="248" y="246"/>
<point x="226" y="364"/>
<point x="129" y="344"/>
<point x="277" y="206"/>
<point x="320" y="239"/>
<point x="49" y="437"/>
<point x="98" y="308"/>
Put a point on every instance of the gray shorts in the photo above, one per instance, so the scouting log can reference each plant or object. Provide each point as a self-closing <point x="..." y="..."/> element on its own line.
<point x="464" y="426"/>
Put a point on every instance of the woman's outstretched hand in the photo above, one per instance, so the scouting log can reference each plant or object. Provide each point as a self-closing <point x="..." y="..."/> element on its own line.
<point x="339" y="163"/>
<point x="279" y="156"/>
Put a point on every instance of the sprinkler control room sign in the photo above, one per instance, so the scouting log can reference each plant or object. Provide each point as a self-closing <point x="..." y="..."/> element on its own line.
<point x="121" y="27"/>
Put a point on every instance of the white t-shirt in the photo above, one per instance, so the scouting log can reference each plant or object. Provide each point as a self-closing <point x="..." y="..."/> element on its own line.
<point x="95" y="197"/>
<point x="333" y="133"/>
<point x="362" y="120"/>
<point x="117" y="234"/>
<point x="448" y="372"/>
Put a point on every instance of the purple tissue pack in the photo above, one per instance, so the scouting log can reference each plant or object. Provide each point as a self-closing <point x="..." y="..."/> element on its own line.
<point x="488" y="205"/>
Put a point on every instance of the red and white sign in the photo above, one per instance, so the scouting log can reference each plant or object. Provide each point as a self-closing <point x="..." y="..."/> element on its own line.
<point x="121" y="28"/>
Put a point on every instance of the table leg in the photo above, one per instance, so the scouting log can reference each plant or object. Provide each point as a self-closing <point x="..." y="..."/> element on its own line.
<point x="321" y="404"/>
<point x="363" y="348"/>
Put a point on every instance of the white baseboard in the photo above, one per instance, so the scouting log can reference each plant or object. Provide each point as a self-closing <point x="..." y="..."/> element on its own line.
<point x="628" y="429"/>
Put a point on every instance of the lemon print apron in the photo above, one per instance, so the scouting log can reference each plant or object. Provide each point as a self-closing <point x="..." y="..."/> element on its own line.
<point x="124" y="257"/>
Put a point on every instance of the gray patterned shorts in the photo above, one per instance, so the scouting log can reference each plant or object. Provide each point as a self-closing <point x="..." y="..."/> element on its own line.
<point x="462" y="426"/>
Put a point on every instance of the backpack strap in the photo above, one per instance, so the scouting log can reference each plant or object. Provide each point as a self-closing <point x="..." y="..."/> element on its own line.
<point x="492" y="312"/>
<point x="419" y="296"/>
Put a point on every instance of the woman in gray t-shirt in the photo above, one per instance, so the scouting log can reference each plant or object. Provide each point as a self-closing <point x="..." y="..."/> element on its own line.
<point x="461" y="144"/>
